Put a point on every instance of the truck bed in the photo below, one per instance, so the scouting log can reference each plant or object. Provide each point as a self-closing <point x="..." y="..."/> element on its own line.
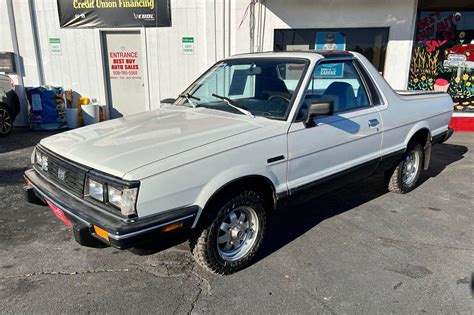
<point x="409" y="95"/>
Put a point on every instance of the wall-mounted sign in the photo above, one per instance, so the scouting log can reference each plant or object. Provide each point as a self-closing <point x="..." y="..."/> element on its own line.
<point x="188" y="45"/>
<point x="55" y="46"/>
<point x="125" y="65"/>
<point x="114" y="13"/>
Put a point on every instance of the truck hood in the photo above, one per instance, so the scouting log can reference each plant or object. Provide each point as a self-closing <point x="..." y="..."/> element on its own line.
<point x="122" y="145"/>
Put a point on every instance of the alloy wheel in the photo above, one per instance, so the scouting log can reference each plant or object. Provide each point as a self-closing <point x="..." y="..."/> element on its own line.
<point x="410" y="167"/>
<point x="237" y="233"/>
<point x="5" y="121"/>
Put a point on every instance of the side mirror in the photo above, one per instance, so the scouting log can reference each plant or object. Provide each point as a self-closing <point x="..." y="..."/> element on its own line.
<point x="168" y="100"/>
<point x="318" y="108"/>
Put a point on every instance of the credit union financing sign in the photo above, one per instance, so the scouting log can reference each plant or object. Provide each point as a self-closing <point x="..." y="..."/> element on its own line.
<point x="114" y="13"/>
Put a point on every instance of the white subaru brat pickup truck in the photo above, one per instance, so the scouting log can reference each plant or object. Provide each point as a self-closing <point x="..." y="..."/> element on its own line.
<point x="253" y="133"/>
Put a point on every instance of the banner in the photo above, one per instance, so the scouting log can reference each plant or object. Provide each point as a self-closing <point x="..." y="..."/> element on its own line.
<point x="114" y="13"/>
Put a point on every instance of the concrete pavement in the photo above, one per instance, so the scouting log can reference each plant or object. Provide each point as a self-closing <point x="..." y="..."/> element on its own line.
<point x="359" y="249"/>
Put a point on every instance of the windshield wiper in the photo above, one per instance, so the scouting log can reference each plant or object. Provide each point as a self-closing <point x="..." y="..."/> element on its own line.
<point x="188" y="98"/>
<point x="231" y="103"/>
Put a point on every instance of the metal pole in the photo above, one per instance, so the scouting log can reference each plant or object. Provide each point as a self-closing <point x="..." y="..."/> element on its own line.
<point x="223" y="30"/>
<point x="34" y="29"/>
<point x="229" y="49"/>
<point x="16" y="50"/>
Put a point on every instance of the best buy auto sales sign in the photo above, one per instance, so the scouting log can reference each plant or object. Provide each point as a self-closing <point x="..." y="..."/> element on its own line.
<point x="114" y="13"/>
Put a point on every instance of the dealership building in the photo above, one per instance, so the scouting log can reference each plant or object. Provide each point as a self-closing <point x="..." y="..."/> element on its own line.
<point x="130" y="54"/>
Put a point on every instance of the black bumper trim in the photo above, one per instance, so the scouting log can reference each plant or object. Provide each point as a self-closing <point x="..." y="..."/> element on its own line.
<point x="122" y="232"/>
<point x="442" y="137"/>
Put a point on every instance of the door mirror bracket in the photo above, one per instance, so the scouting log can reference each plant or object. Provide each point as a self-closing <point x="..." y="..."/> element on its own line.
<point x="318" y="108"/>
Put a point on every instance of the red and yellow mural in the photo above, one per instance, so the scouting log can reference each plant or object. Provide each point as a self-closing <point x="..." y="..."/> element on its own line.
<point x="443" y="56"/>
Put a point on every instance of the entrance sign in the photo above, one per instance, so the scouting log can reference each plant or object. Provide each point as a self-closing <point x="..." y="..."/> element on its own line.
<point x="114" y="13"/>
<point x="124" y="58"/>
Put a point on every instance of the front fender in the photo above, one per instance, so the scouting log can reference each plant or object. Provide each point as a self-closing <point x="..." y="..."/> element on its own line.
<point x="228" y="177"/>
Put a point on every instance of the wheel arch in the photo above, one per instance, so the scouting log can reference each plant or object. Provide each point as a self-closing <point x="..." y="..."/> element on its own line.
<point x="2" y="103"/>
<point x="422" y="134"/>
<point x="258" y="182"/>
<point x="418" y="128"/>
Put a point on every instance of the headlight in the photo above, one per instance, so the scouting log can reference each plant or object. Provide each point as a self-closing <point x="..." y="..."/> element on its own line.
<point x="33" y="156"/>
<point x="115" y="196"/>
<point x="124" y="199"/>
<point x="112" y="195"/>
<point x="44" y="163"/>
<point x="95" y="190"/>
<point x="41" y="160"/>
<point x="38" y="157"/>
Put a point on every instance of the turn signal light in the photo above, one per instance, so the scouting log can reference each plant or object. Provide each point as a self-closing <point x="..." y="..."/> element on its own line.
<point x="172" y="226"/>
<point x="101" y="232"/>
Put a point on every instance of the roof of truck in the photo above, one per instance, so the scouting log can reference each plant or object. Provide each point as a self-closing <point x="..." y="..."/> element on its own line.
<point x="310" y="54"/>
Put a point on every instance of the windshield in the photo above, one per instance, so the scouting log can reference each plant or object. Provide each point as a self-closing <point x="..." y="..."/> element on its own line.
<point x="261" y="86"/>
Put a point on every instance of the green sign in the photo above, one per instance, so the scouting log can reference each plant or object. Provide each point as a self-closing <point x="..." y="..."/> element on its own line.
<point x="55" y="46"/>
<point x="188" y="45"/>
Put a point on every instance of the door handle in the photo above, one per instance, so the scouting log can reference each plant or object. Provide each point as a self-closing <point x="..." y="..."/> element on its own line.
<point x="373" y="123"/>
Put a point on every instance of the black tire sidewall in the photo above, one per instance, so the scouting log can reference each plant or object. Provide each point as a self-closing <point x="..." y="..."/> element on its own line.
<point x="247" y="199"/>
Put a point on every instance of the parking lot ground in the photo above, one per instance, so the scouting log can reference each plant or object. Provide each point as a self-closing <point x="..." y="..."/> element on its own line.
<point x="359" y="249"/>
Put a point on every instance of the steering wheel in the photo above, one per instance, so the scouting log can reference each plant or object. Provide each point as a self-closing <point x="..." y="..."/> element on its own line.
<point x="277" y="105"/>
<point x="279" y="96"/>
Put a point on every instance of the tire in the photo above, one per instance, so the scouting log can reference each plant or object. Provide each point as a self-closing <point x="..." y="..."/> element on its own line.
<point x="6" y="121"/>
<point x="242" y="219"/>
<point x="403" y="178"/>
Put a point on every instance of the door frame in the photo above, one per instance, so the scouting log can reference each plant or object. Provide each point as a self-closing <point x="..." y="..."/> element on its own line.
<point x="105" y="70"/>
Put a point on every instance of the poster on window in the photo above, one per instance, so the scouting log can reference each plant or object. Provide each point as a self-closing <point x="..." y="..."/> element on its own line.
<point x="114" y="13"/>
<point x="329" y="70"/>
<point x="330" y="41"/>
<point x="443" y="56"/>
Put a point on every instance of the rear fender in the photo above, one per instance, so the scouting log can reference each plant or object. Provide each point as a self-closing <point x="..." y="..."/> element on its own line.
<point x="427" y="147"/>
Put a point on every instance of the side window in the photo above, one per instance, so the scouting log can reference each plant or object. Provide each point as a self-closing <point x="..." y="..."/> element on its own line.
<point x="339" y="82"/>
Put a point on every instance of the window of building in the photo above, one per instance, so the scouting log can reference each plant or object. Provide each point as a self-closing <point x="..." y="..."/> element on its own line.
<point x="443" y="55"/>
<point x="371" y="42"/>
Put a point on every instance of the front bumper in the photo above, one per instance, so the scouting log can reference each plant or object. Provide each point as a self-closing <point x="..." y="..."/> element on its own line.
<point x="90" y="222"/>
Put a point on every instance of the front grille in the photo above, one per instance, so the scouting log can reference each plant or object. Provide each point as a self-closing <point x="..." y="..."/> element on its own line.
<point x="66" y="174"/>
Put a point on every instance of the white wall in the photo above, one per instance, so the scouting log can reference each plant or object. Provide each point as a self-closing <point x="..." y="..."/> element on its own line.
<point x="220" y="28"/>
<point x="398" y="15"/>
<point x="170" y="71"/>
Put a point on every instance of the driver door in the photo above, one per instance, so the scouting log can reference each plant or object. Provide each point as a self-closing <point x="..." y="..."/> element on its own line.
<point x="343" y="147"/>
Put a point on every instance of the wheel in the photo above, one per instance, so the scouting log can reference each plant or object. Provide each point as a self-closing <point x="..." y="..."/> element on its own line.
<point x="230" y="240"/>
<point x="404" y="177"/>
<point x="6" y="121"/>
